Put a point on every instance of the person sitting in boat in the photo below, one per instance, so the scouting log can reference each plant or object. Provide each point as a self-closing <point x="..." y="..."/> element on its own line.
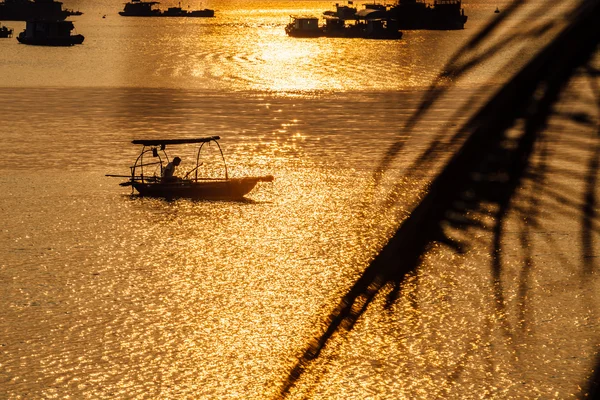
<point x="169" y="171"/>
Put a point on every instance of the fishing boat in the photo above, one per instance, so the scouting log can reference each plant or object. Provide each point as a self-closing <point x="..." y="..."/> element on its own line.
<point x="140" y="8"/>
<point x="148" y="176"/>
<point x="5" y="31"/>
<point x="49" y="33"/>
<point x="23" y="10"/>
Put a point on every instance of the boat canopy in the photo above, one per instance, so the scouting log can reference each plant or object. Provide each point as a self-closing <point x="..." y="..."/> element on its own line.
<point x="158" y="142"/>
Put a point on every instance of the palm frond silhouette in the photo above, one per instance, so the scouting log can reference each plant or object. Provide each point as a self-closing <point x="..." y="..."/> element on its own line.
<point x="501" y="149"/>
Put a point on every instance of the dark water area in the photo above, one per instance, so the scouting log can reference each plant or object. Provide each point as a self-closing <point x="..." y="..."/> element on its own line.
<point x="97" y="125"/>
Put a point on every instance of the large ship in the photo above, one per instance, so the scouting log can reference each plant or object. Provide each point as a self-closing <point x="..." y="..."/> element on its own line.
<point x="442" y="15"/>
<point x="23" y="10"/>
<point x="140" y="8"/>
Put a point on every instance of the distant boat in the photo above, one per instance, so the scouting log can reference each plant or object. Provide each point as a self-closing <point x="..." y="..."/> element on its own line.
<point x="407" y="14"/>
<point x="5" y="31"/>
<point x="191" y="186"/>
<point x="139" y="8"/>
<point x="49" y="33"/>
<point x="442" y="15"/>
<point x="73" y="12"/>
<point x="367" y="25"/>
<point x="497" y="10"/>
<point x="23" y="10"/>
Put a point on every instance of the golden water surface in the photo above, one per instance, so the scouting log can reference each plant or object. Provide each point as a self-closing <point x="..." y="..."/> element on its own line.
<point x="107" y="295"/>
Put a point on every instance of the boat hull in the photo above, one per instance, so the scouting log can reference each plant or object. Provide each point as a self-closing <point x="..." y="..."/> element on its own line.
<point x="24" y="11"/>
<point x="230" y="189"/>
<point x="51" y="41"/>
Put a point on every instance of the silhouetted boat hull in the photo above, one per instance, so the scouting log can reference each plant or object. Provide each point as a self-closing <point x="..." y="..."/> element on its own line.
<point x="407" y="14"/>
<point x="154" y="155"/>
<point x="52" y="41"/>
<point x="442" y="15"/>
<point x="49" y="33"/>
<point x="138" y="8"/>
<point x="230" y="189"/>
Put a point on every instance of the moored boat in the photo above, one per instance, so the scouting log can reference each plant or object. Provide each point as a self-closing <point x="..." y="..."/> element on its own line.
<point x="23" y="10"/>
<point x="159" y="184"/>
<point x="140" y="8"/>
<point x="5" y="31"/>
<point x="346" y="22"/>
<point x="441" y="15"/>
<point x="226" y="189"/>
<point x="303" y="26"/>
<point x="49" y="33"/>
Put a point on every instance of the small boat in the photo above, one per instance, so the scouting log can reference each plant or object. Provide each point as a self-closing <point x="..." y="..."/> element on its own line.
<point x="5" y="31"/>
<point x="145" y="180"/>
<point x="49" y="33"/>
<point x="140" y="8"/>
<point x="497" y="10"/>
<point x="73" y="12"/>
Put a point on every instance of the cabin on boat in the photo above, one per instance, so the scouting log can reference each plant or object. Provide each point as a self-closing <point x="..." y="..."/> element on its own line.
<point x="301" y="26"/>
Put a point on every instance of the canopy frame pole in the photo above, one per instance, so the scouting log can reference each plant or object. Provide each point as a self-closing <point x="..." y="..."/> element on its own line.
<point x="139" y="162"/>
<point x="198" y="160"/>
